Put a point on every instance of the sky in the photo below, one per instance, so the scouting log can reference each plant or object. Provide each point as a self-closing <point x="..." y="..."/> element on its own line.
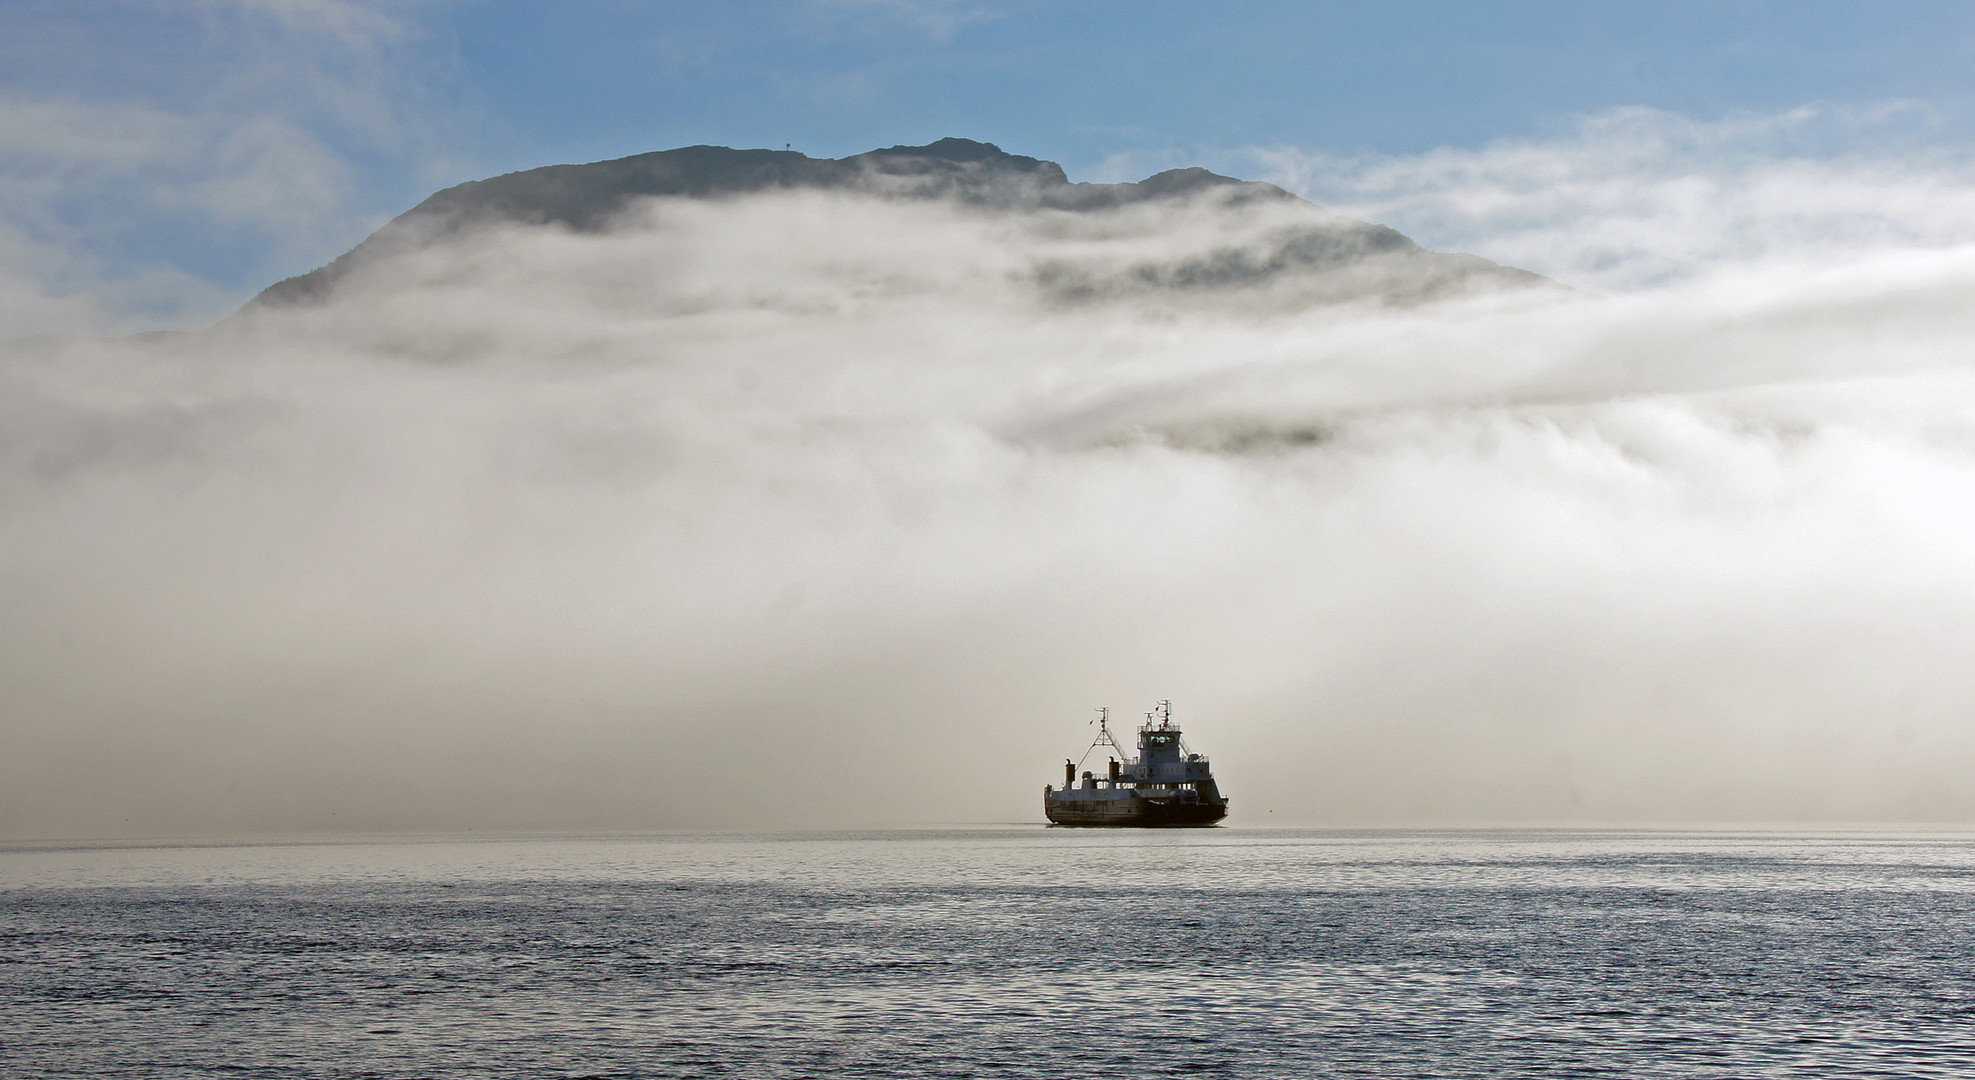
<point x="161" y="161"/>
<point x="820" y="510"/>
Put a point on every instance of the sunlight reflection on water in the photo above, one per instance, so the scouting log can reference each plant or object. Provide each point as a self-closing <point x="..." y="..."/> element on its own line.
<point x="997" y="952"/>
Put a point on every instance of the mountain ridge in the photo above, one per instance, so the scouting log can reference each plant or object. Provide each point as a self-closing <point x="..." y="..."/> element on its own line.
<point x="589" y="197"/>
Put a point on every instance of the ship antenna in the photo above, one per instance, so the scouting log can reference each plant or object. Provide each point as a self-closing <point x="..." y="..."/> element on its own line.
<point x="1104" y="735"/>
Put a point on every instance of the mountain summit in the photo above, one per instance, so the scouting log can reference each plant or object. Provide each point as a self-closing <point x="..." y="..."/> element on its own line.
<point x="596" y="197"/>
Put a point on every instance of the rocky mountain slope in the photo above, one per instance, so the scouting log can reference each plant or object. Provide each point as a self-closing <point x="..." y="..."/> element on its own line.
<point x="1333" y="258"/>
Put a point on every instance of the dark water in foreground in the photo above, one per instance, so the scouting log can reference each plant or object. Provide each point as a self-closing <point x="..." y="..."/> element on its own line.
<point x="998" y="953"/>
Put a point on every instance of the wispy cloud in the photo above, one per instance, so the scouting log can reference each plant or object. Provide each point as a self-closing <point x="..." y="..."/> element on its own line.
<point x="125" y="212"/>
<point x="362" y="25"/>
<point x="1636" y="197"/>
<point x="939" y="19"/>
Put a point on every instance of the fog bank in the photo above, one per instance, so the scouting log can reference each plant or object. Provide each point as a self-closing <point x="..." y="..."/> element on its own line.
<point x="816" y="510"/>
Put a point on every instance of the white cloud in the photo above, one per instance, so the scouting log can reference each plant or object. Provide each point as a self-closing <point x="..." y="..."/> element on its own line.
<point x="1636" y="198"/>
<point x="939" y="19"/>
<point x="814" y="498"/>
<point x="358" y="24"/>
<point x="79" y="181"/>
<point x="124" y="213"/>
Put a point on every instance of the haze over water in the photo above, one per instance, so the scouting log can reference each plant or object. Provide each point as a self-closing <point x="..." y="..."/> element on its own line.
<point x="805" y="494"/>
<point x="1015" y="953"/>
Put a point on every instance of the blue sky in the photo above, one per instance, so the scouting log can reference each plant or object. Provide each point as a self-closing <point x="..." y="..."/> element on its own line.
<point x="1078" y="81"/>
<point x="160" y="161"/>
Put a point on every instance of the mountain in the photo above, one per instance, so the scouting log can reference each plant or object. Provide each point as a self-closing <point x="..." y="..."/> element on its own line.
<point x="1382" y="262"/>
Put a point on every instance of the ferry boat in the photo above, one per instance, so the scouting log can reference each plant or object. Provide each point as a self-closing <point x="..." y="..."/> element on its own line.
<point x="1164" y="786"/>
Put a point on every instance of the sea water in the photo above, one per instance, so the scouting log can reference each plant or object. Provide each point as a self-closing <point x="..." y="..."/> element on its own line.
<point x="1020" y="953"/>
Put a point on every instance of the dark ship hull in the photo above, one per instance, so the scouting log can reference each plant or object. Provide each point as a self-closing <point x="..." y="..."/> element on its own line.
<point x="1135" y="813"/>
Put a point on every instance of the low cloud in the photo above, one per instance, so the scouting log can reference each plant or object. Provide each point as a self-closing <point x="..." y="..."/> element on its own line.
<point x="1638" y="198"/>
<point x="806" y="510"/>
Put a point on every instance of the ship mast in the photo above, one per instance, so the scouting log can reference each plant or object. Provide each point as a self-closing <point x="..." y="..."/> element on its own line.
<point x="1104" y="737"/>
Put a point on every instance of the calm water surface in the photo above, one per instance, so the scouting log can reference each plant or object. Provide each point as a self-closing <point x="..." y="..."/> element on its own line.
<point x="1025" y="952"/>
